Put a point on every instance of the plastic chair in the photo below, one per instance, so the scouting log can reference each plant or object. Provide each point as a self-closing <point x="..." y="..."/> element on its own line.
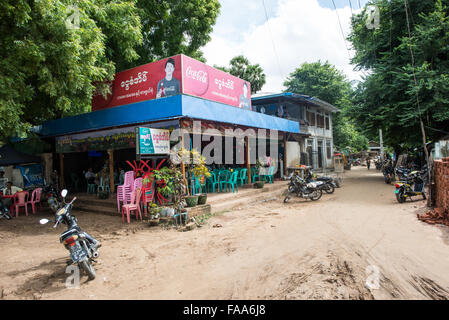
<point x="198" y="185"/>
<point x="243" y="176"/>
<point x="269" y="176"/>
<point x="223" y="179"/>
<point x="254" y="174"/>
<point x="137" y="183"/>
<point x="20" y="200"/>
<point x="91" y="187"/>
<point x="232" y="182"/>
<point x="212" y="181"/>
<point x="104" y="185"/>
<point x="35" y="198"/>
<point x="133" y="206"/>
<point x="124" y="191"/>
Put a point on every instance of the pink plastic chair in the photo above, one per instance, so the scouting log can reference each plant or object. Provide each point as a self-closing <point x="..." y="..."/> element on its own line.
<point x="133" y="206"/>
<point x="124" y="191"/>
<point x="35" y="198"/>
<point x="138" y="183"/>
<point x="20" y="200"/>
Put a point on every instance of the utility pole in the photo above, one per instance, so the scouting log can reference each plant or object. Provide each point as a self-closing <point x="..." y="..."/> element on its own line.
<point x="381" y="147"/>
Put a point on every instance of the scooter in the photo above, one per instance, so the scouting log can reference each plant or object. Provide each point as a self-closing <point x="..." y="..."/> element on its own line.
<point x="413" y="186"/>
<point x="83" y="247"/>
<point x="4" y="211"/>
<point x="302" y="189"/>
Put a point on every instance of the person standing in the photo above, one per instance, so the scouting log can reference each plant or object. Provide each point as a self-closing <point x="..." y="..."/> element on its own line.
<point x="368" y="162"/>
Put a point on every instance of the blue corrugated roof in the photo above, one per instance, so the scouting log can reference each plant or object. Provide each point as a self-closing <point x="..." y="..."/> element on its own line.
<point x="165" y="108"/>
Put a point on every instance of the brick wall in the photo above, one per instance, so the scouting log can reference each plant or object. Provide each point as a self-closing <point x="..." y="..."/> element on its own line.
<point x="441" y="176"/>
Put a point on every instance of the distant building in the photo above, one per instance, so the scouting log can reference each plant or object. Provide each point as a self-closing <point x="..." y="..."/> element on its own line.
<point x="314" y="143"/>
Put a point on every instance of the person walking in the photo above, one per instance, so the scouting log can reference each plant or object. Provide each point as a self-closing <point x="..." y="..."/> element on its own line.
<point x="368" y="162"/>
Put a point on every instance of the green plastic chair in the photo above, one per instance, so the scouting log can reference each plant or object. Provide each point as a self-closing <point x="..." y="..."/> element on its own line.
<point x="270" y="174"/>
<point x="254" y="174"/>
<point x="243" y="176"/>
<point x="212" y="181"/>
<point x="232" y="182"/>
<point x="199" y="186"/>
<point x="223" y="179"/>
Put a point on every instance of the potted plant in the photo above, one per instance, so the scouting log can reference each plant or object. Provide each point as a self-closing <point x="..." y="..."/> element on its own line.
<point x="202" y="173"/>
<point x="259" y="184"/>
<point x="154" y="213"/>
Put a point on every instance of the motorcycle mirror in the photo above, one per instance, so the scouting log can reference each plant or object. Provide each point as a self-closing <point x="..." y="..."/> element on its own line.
<point x="64" y="193"/>
<point x="44" y="221"/>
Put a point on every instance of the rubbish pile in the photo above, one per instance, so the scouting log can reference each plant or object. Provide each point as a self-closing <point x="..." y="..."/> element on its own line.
<point x="437" y="216"/>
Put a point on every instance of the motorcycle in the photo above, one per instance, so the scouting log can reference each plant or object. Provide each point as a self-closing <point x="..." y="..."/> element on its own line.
<point x="83" y="247"/>
<point x="388" y="173"/>
<point x="4" y="211"/>
<point x="53" y="199"/>
<point x="413" y="185"/>
<point x="325" y="183"/>
<point x="302" y="189"/>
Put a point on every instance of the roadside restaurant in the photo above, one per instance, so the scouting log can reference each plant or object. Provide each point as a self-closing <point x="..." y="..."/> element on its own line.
<point x="173" y="93"/>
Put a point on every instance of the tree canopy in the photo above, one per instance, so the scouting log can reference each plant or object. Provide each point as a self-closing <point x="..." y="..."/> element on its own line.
<point x="52" y="51"/>
<point x="387" y="98"/>
<point x="325" y="82"/>
<point x="240" y="67"/>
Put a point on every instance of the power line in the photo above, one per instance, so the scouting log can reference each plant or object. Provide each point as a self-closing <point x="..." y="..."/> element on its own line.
<point x="350" y="6"/>
<point x="341" y="29"/>
<point x="272" y="41"/>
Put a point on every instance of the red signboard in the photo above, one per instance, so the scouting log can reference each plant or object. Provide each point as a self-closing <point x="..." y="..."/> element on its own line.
<point x="171" y="76"/>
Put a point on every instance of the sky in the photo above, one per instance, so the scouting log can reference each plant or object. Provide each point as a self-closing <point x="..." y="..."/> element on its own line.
<point x="295" y="32"/>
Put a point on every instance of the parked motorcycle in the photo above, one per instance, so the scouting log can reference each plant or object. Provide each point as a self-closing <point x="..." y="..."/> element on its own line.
<point x="328" y="185"/>
<point x="388" y="173"/>
<point x="53" y="198"/>
<point x="412" y="186"/>
<point x="301" y="188"/>
<point x="83" y="247"/>
<point x="4" y="211"/>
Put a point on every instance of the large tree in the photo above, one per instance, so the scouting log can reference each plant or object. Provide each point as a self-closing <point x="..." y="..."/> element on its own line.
<point x="388" y="99"/>
<point x="325" y="82"/>
<point x="240" y="67"/>
<point x="52" y="52"/>
<point x="170" y="27"/>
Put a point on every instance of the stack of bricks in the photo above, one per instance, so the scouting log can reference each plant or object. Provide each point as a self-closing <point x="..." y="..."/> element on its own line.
<point x="441" y="212"/>
<point x="441" y="173"/>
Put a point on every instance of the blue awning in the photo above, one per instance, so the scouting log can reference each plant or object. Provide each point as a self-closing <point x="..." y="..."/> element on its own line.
<point x="178" y="106"/>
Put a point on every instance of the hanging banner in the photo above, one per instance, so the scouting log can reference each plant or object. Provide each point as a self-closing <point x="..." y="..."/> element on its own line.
<point x="152" y="141"/>
<point x="32" y="175"/>
<point x="172" y="76"/>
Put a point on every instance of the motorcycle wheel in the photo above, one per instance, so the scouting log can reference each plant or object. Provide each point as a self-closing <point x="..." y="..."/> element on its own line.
<point x="86" y="265"/>
<point x="424" y="196"/>
<point x="329" y="189"/>
<point x="316" y="195"/>
<point x="287" y="197"/>
<point x="400" y="197"/>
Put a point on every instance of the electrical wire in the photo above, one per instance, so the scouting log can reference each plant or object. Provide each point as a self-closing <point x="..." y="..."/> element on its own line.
<point x="272" y="40"/>
<point x="341" y="29"/>
<point x="350" y="6"/>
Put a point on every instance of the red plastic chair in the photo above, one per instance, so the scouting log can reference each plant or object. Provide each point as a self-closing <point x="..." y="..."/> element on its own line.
<point x="20" y="200"/>
<point x="35" y="198"/>
<point x="133" y="206"/>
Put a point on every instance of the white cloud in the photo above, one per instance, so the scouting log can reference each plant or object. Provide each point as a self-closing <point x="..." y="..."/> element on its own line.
<point x="302" y="31"/>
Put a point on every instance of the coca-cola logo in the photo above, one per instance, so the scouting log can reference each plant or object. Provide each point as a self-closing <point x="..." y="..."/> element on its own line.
<point x="199" y="82"/>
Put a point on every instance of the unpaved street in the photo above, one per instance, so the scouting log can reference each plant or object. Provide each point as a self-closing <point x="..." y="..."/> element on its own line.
<point x="266" y="250"/>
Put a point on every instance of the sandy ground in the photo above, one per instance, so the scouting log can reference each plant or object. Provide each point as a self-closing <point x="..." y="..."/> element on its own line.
<point x="327" y="249"/>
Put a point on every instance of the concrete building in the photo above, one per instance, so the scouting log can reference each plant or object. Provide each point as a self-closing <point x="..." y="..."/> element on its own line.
<point x="314" y="144"/>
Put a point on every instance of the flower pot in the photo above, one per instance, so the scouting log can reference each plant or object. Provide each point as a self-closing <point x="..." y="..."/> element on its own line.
<point x="202" y="198"/>
<point x="259" y="184"/>
<point x="191" y="201"/>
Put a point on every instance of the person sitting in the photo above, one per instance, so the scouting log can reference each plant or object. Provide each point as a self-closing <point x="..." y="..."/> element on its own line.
<point x="10" y="190"/>
<point x="90" y="176"/>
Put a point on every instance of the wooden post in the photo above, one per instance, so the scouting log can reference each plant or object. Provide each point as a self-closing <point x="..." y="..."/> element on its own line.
<point x="61" y="169"/>
<point x="248" y="164"/>
<point x="111" y="170"/>
<point x="285" y="154"/>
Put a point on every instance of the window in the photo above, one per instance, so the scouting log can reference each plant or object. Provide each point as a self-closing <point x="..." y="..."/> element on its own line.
<point x="320" y="121"/>
<point x="327" y="123"/>
<point x="328" y="149"/>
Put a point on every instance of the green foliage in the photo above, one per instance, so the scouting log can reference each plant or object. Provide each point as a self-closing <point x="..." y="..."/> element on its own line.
<point x="325" y="82"/>
<point x="240" y="67"/>
<point x="48" y="62"/>
<point x="170" y="27"/>
<point x="387" y="98"/>
<point x="47" y="65"/>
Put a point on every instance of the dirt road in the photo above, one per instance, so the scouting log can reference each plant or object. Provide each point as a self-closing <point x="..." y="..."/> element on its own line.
<point x="327" y="249"/>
